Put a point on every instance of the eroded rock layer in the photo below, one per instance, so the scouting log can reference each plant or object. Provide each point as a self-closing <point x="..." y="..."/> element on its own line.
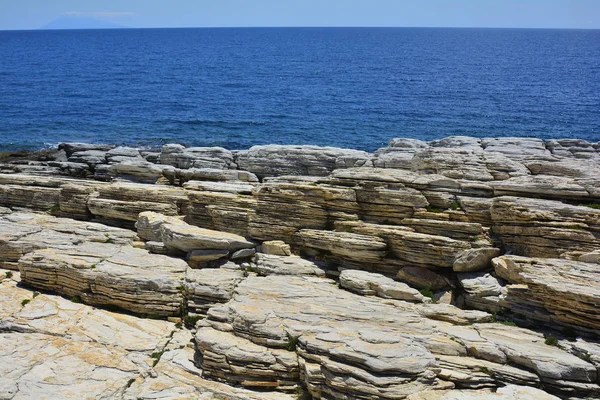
<point x="458" y="268"/>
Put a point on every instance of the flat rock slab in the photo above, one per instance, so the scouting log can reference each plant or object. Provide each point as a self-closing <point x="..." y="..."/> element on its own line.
<point x="187" y="238"/>
<point x="269" y="264"/>
<point x="109" y="275"/>
<point x="23" y="232"/>
<point x="367" y="283"/>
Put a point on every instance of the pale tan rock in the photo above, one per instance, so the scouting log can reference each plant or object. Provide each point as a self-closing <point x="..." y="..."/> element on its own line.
<point x="148" y="225"/>
<point x="209" y="286"/>
<point x="275" y="247"/>
<point x="561" y="291"/>
<point x="370" y="284"/>
<point x="475" y="259"/>
<point x="351" y="246"/>
<point x="106" y="274"/>
<point x="269" y="264"/>
<point x="187" y="238"/>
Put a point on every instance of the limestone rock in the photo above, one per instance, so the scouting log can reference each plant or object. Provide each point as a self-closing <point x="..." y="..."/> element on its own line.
<point x="207" y="174"/>
<point x="351" y="246"/>
<point x="196" y="157"/>
<point x="276" y="160"/>
<point x="109" y="275"/>
<point x="475" y="259"/>
<point x="187" y="238"/>
<point x="198" y="258"/>
<point x="269" y="264"/>
<point x="225" y="357"/>
<point x="559" y="291"/>
<point x="149" y="223"/>
<point x="275" y="247"/>
<point x="367" y="283"/>
<point x="209" y="286"/>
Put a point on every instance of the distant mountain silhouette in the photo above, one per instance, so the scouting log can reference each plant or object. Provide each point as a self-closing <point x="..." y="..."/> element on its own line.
<point x="80" y="22"/>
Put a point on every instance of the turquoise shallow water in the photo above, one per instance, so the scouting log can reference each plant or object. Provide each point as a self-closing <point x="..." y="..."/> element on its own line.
<point x="346" y="87"/>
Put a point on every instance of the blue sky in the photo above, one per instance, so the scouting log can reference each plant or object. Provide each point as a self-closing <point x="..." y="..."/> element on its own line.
<point x="32" y="14"/>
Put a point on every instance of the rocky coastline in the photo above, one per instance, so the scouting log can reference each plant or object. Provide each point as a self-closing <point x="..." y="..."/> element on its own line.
<point x="461" y="268"/>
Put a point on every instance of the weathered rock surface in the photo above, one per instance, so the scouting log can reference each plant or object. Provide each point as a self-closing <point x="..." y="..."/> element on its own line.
<point x="431" y="216"/>
<point x="109" y="275"/>
<point x="275" y="160"/>
<point x="558" y="291"/>
<point x="370" y="284"/>
<point x="187" y="238"/>
<point x="269" y="264"/>
<point x="21" y="233"/>
<point x="390" y="348"/>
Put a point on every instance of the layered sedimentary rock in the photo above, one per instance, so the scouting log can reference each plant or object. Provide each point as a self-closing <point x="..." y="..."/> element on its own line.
<point x="109" y="275"/>
<point x="429" y="244"/>
<point x="552" y="290"/>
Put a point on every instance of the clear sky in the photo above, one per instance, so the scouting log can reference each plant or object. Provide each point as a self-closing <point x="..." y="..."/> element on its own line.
<point x="33" y="14"/>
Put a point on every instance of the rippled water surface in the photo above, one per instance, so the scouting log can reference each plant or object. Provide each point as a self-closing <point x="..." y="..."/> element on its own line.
<point x="347" y="87"/>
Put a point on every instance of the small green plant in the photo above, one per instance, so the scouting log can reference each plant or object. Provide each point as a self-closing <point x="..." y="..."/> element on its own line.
<point x="55" y="209"/>
<point x="292" y="343"/>
<point x="178" y="325"/>
<point x="76" y="299"/>
<point x="8" y="274"/>
<point x="25" y="302"/>
<point x="36" y="294"/>
<point x="586" y="357"/>
<point x="156" y="356"/>
<point x="108" y="239"/>
<point x="433" y="209"/>
<point x="551" y="341"/>
<point x="507" y="323"/>
<point x="190" y="321"/>
<point x="93" y="266"/>
<point x="576" y="227"/>
<point x="486" y="371"/>
<point x="428" y="293"/>
<point x="455" y="205"/>
<point x="591" y="205"/>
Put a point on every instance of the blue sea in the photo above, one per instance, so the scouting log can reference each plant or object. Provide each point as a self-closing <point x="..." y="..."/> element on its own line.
<point x="346" y="87"/>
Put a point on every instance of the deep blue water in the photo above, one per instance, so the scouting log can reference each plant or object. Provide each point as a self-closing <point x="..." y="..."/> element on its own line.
<point x="347" y="87"/>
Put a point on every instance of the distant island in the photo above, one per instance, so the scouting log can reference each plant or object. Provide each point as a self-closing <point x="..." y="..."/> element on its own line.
<point x="80" y="22"/>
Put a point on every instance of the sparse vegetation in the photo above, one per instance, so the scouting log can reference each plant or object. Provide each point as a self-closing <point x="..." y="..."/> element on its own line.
<point x="108" y="239"/>
<point x="591" y="205"/>
<point x="190" y="321"/>
<point x="36" y="294"/>
<point x="455" y="205"/>
<point x="292" y="343"/>
<point x="93" y="266"/>
<point x="25" y="302"/>
<point x="156" y="356"/>
<point x="551" y="341"/>
<point x="54" y="210"/>
<point x="507" y="323"/>
<point x="76" y="299"/>
<point x="433" y="209"/>
<point x="8" y="274"/>
<point x="585" y="357"/>
<point x="486" y="371"/>
<point x="428" y="293"/>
